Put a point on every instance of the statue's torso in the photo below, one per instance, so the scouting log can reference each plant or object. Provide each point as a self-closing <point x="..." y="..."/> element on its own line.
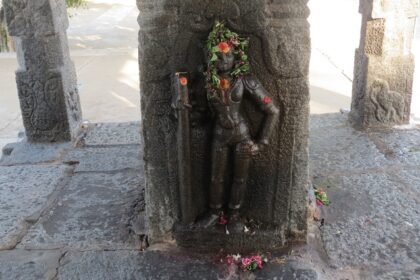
<point x="230" y="125"/>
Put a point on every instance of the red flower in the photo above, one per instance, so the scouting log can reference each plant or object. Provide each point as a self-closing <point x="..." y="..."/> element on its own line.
<point x="224" y="84"/>
<point x="246" y="261"/>
<point x="267" y="100"/>
<point x="224" y="47"/>
<point x="258" y="260"/>
<point x="183" y="81"/>
<point x="223" y="220"/>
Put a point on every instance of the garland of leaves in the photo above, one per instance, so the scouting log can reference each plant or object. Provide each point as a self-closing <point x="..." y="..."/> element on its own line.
<point x="221" y="34"/>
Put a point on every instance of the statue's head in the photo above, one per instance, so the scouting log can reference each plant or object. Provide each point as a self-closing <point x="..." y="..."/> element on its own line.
<point x="226" y="52"/>
<point x="225" y="57"/>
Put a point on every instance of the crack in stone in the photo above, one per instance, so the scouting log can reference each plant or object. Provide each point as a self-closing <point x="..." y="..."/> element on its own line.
<point x="382" y="146"/>
<point x="49" y="204"/>
<point x="60" y="259"/>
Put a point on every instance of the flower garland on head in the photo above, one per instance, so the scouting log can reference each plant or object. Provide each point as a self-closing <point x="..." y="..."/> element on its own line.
<point x="222" y="40"/>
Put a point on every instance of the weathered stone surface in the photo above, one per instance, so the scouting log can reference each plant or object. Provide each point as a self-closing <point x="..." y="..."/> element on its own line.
<point x="161" y="265"/>
<point x="402" y="144"/>
<point x="216" y="239"/>
<point x="112" y="134"/>
<point x="106" y="158"/>
<point x="292" y="271"/>
<point x="171" y="39"/>
<point x="24" y="265"/>
<point x="46" y="78"/>
<point x="373" y="223"/>
<point x="328" y="120"/>
<point x="347" y="149"/>
<point x="25" y="191"/>
<point x="93" y="212"/>
<point x="35" y="18"/>
<point x="135" y="265"/>
<point x="384" y="65"/>
<point x="31" y="153"/>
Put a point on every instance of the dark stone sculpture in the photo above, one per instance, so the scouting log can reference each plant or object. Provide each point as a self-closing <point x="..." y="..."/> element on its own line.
<point x="228" y="84"/>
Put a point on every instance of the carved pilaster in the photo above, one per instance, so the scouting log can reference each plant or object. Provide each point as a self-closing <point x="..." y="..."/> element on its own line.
<point x="46" y="76"/>
<point x="171" y="39"/>
<point x="384" y="64"/>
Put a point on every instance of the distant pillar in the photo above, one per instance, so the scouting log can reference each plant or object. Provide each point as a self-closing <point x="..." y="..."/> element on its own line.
<point x="384" y="64"/>
<point x="46" y="77"/>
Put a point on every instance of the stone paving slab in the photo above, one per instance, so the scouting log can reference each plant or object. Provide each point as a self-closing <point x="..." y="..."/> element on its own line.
<point x="93" y="212"/>
<point x="127" y="133"/>
<point x="102" y="159"/>
<point x="341" y="148"/>
<point x="373" y="223"/>
<point x="24" y="193"/>
<point x="31" y="153"/>
<point x="158" y="265"/>
<point x="25" y="265"/>
<point x="328" y="120"/>
<point x="404" y="144"/>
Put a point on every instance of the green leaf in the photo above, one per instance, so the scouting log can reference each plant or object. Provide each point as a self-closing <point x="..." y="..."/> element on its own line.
<point x="214" y="57"/>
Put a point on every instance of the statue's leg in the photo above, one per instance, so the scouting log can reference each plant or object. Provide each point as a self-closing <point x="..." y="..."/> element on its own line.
<point x="219" y="159"/>
<point x="242" y="160"/>
<point x="240" y="175"/>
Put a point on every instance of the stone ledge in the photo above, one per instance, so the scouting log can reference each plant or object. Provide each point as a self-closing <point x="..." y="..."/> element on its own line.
<point x="215" y="239"/>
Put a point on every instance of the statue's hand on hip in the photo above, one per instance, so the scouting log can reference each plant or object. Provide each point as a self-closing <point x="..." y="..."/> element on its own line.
<point x="262" y="145"/>
<point x="251" y="148"/>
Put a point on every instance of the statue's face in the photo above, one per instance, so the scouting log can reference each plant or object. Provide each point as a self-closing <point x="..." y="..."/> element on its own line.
<point x="225" y="61"/>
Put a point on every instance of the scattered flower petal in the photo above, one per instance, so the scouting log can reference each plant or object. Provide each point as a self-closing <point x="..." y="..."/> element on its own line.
<point x="267" y="100"/>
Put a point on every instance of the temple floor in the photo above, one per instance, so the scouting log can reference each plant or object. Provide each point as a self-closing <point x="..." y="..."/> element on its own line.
<point x="74" y="211"/>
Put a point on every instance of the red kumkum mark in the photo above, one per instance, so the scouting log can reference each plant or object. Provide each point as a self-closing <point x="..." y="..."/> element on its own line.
<point x="183" y="81"/>
<point x="224" y="84"/>
<point x="267" y="100"/>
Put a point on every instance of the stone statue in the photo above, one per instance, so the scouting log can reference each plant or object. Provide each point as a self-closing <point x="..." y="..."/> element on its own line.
<point x="388" y="106"/>
<point x="228" y="83"/>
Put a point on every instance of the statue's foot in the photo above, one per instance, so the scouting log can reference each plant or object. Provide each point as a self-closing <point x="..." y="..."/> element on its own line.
<point x="236" y="225"/>
<point x="210" y="219"/>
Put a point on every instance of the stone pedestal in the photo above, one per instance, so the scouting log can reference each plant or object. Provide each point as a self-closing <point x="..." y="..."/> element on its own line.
<point x="171" y="39"/>
<point x="384" y="64"/>
<point x="46" y="76"/>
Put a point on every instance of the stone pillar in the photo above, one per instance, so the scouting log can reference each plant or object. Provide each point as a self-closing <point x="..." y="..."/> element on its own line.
<point x="46" y="77"/>
<point x="171" y="39"/>
<point x="384" y="64"/>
